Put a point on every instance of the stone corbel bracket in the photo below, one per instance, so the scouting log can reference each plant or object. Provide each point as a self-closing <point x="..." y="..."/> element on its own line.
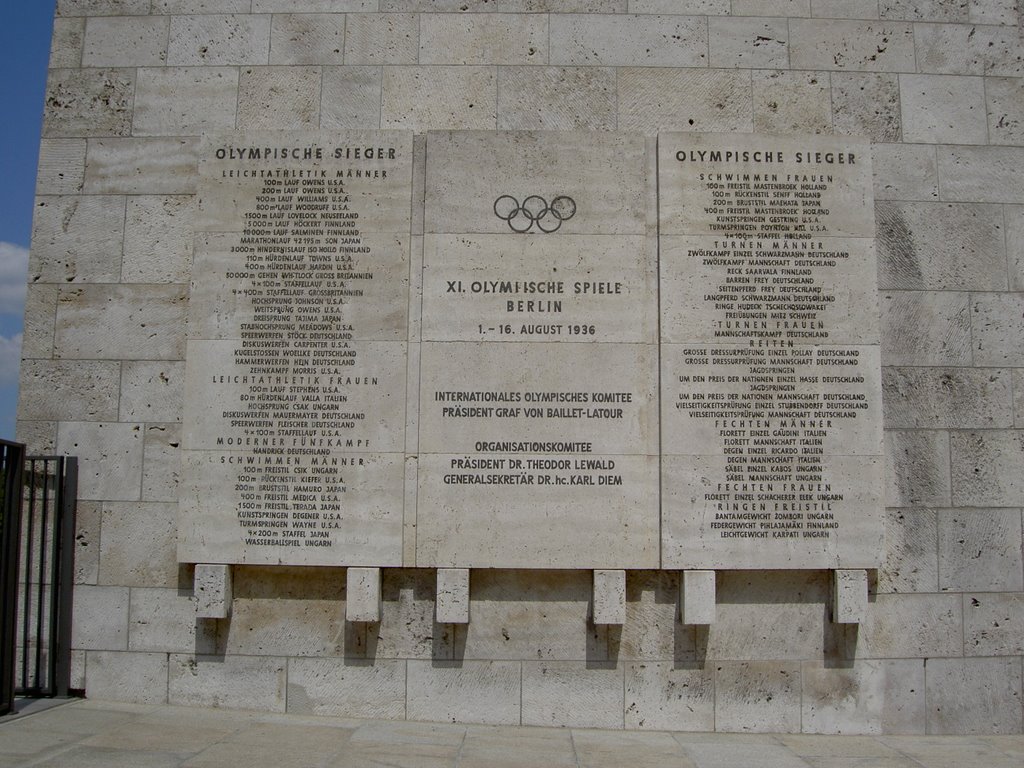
<point x="212" y="587"/>
<point x="697" y="597"/>
<point x="849" y="596"/>
<point x="452" y="596"/>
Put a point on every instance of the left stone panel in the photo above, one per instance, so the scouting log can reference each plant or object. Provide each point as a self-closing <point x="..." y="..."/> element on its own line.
<point x="294" y="423"/>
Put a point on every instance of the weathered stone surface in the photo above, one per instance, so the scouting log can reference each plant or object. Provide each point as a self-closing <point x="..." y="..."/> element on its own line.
<point x="88" y="102"/>
<point x="88" y="390"/>
<point x="110" y="458"/>
<point x="669" y="696"/>
<point x="61" y="166"/>
<point x="925" y="328"/>
<point x="87" y="541"/>
<point x="556" y="98"/>
<point x="101" y="7"/>
<point x="161" y="462"/>
<point x="844" y="9"/>
<point x="148" y="166"/>
<point x="408" y="629"/>
<point x="1005" y="97"/>
<point x="77" y="239"/>
<point x="974" y="695"/>
<point x="139" y="678"/>
<point x="910" y="626"/>
<point x="100" y="620"/>
<point x="629" y="40"/>
<point x="307" y="38"/>
<point x="235" y="682"/>
<point x="982" y="174"/>
<point x="997" y="329"/>
<point x="911" y="552"/>
<point x="350" y="97"/>
<point x="866" y="104"/>
<point x="66" y="44"/>
<point x="382" y="38"/>
<point x="151" y="391"/>
<point x="423" y="98"/>
<point x="941" y="246"/>
<point x="137" y="545"/>
<point x="748" y="42"/>
<point x="980" y="550"/>
<point x="866" y="46"/>
<point x="553" y="690"/>
<point x="655" y="99"/>
<point x="609" y="597"/>
<point x="1015" y="244"/>
<point x="126" y="41"/>
<point x="697" y="597"/>
<point x="164" y="620"/>
<point x="279" y="97"/>
<point x="993" y="624"/>
<point x="867" y="697"/>
<point x="953" y="398"/>
<point x="158" y="239"/>
<point x="453" y="596"/>
<point x="757" y="697"/>
<point x="470" y="692"/>
<point x="788" y="102"/>
<point x="219" y="40"/>
<point x="347" y="688"/>
<point x="850" y="596"/>
<point x="988" y="468"/>
<point x="173" y="101"/>
<point x="917" y="468"/>
<point x="967" y="49"/>
<point x="904" y="172"/>
<point x="362" y="594"/>
<point x="213" y="591"/>
<point x="484" y="39"/>
<point x="943" y="109"/>
<point x="928" y="10"/>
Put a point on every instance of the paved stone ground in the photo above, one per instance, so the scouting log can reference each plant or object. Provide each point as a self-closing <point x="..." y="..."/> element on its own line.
<point x="99" y="734"/>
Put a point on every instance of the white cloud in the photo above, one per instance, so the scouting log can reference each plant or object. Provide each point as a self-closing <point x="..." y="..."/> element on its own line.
<point x="13" y="279"/>
<point x="10" y="359"/>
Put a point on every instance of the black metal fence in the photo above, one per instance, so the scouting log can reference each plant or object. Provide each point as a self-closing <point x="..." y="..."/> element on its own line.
<point x="12" y="459"/>
<point x="38" y="572"/>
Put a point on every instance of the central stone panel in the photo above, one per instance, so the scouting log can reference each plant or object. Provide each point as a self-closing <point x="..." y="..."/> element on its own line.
<point x="538" y="433"/>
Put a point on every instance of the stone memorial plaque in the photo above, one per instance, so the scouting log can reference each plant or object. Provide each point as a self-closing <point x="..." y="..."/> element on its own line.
<point x="538" y="437"/>
<point x="294" y="430"/>
<point x="771" y="405"/>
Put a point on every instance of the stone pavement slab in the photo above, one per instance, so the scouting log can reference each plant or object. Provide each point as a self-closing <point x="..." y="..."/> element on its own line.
<point x="101" y="734"/>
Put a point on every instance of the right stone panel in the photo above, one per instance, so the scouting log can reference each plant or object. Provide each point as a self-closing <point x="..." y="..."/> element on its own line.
<point x="771" y="406"/>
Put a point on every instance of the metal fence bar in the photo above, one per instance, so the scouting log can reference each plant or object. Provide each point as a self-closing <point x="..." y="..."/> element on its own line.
<point x="12" y="461"/>
<point x="65" y="558"/>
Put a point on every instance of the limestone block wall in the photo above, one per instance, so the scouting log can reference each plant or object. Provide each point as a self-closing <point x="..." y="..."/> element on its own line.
<point x="937" y="85"/>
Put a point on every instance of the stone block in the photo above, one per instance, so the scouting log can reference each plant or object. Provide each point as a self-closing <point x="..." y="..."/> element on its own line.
<point x="974" y="695"/>
<point x="88" y="102"/>
<point x="1005" y="102"/>
<point x="941" y="109"/>
<point x="137" y="545"/>
<point x="173" y="101"/>
<point x="279" y="98"/>
<point x="61" y="166"/>
<point x="863" y="46"/>
<point x="161" y="462"/>
<point x="288" y="611"/>
<point x="992" y="12"/>
<point x="100" y="619"/>
<point x="628" y="40"/>
<point x="997" y="327"/>
<point x="126" y="41"/>
<point x="151" y="391"/>
<point x="925" y="328"/>
<point x="917" y="468"/>
<point x="469" y="692"/>
<point x="408" y="629"/>
<point x="609" y="597"/>
<point x="938" y="246"/>
<point x="421" y="98"/>
<point x="1015" y="244"/>
<point x="669" y="696"/>
<point x="910" y="626"/>
<point x="757" y="697"/>
<point x="219" y="40"/>
<point x="988" y="468"/>
<point x="382" y="38"/>
<point x="697" y="597"/>
<point x="39" y="320"/>
<point x="866" y="104"/>
<point x="87" y="541"/>
<point x="307" y="38"/>
<point x="652" y="630"/>
<point x="110" y="458"/>
<point x="865" y="697"/>
<point x="138" y="678"/>
<point x="164" y="621"/>
<point x="312" y="6"/>
<point x="791" y="102"/>
<point x="552" y="691"/>
<point x="556" y="98"/>
<point x="924" y="10"/>
<point x="771" y="7"/>
<point x="1018" y="398"/>
<point x="350" y="97"/>
<point x="768" y="615"/>
<point x="121" y="322"/>
<point x="492" y="38"/>
<point x="452" y="595"/>
<point x="911" y="552"/>
<point x="88" y="390"/>
<point x="213" y="591"/>
<point x="849" y="596"/>
<point x="748" y="42"/>
<point x="77" y="239"/>
<point x="147" y="166"/>
<point x="949" y="398"/>
<point x="102" y="7"/>
<point x="347" y="688"/>
<point x="158" y="239"/>
<point x="982" y="174"/>
<point x="233" y="682"/>
<point x="967" y="49"/>
<point x="39" y="437"/>
<point x="980" y="550"/>
<point x="690" y="7"/>
<point x="652" y="99"/>
<point x="844" y="9"/>
<point x="362" y="594"/>
<point x="66" y="43"/>
<point x="904" y="171"/>
<point x="201" y="6"/>
<point x="993" y="624"/>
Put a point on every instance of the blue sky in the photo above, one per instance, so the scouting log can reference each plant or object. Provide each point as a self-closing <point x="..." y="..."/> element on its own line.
<point x="24" y="50"/>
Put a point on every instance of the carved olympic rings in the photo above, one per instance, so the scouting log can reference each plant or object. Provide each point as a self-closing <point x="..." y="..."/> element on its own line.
<point x="534" y="210"/>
